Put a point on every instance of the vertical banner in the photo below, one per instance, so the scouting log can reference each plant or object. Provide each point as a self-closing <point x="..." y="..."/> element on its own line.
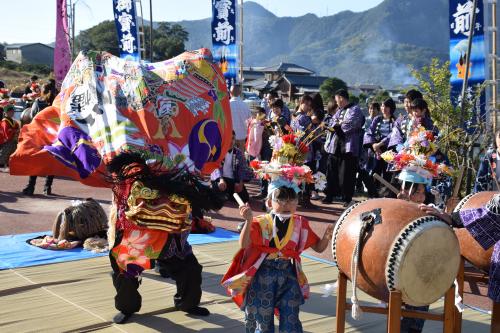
<point x="62" y="53"/>
<point x="126" y="26"/>
<point x="460" y="29"/>
<point x="224" y="38"/>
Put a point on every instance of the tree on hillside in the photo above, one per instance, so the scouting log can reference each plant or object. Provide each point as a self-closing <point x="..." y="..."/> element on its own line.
<point x="168" y="40"/>
<point x="102" y="37"/>
<point x="330" y="86"/>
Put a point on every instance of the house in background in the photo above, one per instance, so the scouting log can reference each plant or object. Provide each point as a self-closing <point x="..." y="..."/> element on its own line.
<point x="290" y="87"/>
<point x="289" y="80"/>
<point x="30" y="53"/>
<point x="273" y="73"/>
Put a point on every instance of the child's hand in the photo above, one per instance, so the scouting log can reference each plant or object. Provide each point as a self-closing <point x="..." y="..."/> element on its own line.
<point x="403" y="196"/>
<point x="246" y="212"/>
<point x="435" y="212"/>
<point x="328" y="232"/>
<point x="222" y="185"/>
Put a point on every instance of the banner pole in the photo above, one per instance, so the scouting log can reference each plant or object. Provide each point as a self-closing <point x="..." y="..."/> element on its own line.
<point x="241" y="43"/>
<point x="467" y="61"/>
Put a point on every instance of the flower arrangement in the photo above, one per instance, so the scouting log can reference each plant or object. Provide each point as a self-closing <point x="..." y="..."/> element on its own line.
<point x="290" y="148"/>
<point x="421" y="142"/>
<point x="415" y="155"/>
<point x="273" y="170"/>
<point x="286" y="166"/>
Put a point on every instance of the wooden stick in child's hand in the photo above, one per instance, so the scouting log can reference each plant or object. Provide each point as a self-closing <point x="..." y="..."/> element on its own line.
<point x="385" y="183"/>
<point x="238" y="199"/>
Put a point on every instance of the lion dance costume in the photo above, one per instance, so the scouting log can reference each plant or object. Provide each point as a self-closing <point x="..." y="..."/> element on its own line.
<point x="149" y="132"/>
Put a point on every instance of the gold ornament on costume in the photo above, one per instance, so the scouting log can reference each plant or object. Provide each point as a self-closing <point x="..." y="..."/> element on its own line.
<point x="148" y="209"/>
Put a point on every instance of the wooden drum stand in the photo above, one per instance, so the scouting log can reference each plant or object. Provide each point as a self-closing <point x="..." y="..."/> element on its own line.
<point x="394" y="312"/>
<point x="495" y="314"/>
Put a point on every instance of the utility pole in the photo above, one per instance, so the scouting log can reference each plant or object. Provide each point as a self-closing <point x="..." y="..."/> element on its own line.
<point x="151" y="30"/>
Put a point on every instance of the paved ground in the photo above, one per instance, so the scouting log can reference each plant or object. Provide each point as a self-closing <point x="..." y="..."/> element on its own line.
<point x="23" y="214"/>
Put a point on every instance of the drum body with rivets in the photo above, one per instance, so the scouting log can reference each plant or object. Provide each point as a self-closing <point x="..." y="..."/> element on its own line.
<point x="404" y="250"/>
<point x="469" y="248"/>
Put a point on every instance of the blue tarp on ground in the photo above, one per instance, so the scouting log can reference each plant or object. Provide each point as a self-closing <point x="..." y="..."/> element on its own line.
<point x="15" y="252"/>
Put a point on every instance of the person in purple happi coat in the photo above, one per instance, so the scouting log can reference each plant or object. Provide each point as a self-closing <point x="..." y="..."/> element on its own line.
<point x="375" y="141"/>
<point x="406" y="123"/>
<point x="342" y="145"/>
<point x="302" y="119"/>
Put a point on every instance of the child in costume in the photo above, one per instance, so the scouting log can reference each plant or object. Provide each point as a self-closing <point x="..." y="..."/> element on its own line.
<point x="9" y="131"/>
<point x="152" y="208"/>
<point x="266" y="274"/>
<point x="417" y="170"/>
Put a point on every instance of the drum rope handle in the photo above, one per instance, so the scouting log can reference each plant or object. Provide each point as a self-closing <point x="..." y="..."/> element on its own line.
<point x="458" y="300"/>
<point x="366" y="222"/>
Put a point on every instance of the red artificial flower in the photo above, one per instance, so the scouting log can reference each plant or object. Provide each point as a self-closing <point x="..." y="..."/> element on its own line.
<point x="406" y="158"/>
<point x="289" y="138"/>
<point x="429" y="135"/>
<point x="428" y="164"/>
<point x="255" y="164"/>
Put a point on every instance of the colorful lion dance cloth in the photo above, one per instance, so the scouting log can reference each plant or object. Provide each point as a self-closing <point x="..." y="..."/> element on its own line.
<point x="175" y="111"/>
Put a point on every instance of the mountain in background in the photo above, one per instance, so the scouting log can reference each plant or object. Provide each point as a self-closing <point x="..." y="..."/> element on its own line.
<point x="375" y="46"/>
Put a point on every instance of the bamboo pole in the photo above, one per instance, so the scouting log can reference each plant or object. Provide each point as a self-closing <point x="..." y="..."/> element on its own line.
<point x="241" y="43"/>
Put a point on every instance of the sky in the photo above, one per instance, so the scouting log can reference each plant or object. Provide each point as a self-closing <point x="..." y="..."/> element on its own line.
<point x="38" y="23"/>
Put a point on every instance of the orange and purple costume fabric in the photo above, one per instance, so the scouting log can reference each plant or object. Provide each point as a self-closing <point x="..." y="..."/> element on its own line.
<point x="175" y="110"/>
<point x="298" y="238"/>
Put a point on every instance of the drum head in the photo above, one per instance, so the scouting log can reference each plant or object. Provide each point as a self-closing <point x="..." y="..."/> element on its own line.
<point x="426" y="264"/>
